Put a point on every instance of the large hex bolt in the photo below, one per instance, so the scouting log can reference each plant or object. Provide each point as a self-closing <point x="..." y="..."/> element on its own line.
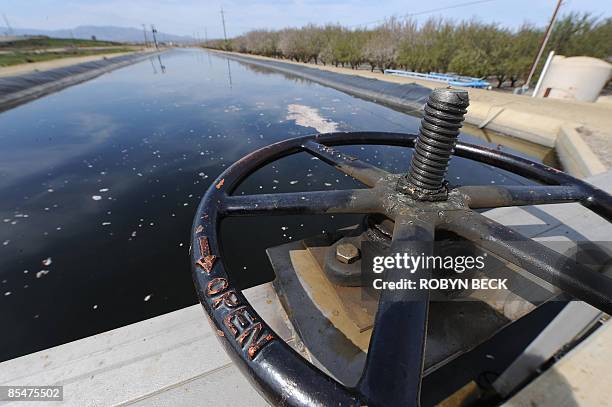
<point x="434" y="147"/>
<point x="347" y="253"/>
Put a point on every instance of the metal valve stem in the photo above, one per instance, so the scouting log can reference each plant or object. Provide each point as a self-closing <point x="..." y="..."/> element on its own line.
<point x="444" y="115"/>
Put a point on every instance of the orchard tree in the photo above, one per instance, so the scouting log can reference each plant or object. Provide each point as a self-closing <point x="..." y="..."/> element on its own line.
<point x="466" y="47"/>
<point x="522" y="50"/>
<point x="382" y="45"/>
<point x="471" y="62"/>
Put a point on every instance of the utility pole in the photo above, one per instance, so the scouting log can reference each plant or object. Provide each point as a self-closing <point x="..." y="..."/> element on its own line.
<point x="144" y="31"/>
<point x="154" y="31"/>
<point x="543" y="44"/>
<point x="223" y="21"/>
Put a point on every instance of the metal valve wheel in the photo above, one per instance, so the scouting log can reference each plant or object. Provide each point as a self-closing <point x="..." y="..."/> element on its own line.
<point x="420" y="204"/>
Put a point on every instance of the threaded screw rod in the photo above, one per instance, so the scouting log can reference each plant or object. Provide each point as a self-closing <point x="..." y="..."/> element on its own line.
<point x="434" y="147"/>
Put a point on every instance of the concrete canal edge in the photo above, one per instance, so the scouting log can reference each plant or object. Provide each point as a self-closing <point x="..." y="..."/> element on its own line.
<point x="576" y="156"/>
<point x="531" y="125"/>
<point x="19" y="89"/>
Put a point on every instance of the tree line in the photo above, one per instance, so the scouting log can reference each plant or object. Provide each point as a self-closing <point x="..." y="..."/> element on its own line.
<point x="471" y="48"/>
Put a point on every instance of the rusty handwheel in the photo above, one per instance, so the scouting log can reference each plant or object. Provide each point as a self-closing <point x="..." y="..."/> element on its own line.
<point x="420" y="203"/>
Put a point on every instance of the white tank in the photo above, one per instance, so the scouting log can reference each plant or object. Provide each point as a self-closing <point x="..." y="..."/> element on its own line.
<point x="575" y="78"/>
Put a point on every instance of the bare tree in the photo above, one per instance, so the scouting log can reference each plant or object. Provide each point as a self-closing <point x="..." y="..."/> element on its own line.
<point x="465" y="47"/>
<point x="383" y="44"/>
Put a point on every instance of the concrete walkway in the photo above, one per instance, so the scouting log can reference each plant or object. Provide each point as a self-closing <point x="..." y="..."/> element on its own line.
<point x="581" y="378"/>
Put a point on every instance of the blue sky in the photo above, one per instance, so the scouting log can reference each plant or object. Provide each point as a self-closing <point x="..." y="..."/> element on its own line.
<point x="187" y="17"/>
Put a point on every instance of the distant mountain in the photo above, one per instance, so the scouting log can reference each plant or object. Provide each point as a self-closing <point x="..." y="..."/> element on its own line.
<point x="108" y="33"/>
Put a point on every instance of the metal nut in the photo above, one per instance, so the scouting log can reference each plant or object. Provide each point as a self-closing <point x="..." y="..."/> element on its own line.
<point x="347" y="253"/>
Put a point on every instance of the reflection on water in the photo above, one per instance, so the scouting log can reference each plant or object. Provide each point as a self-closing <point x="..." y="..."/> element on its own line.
<point x="161" y="64"/>
<point x="155" y="64"/>
<point x="525" y="148"/>
<point x="229" y="73"/>
<point x="534" y="151"/>
<point x="99" y="184"/>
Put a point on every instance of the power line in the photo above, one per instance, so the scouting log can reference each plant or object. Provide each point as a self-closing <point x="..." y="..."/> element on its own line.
<point x="8" y="26"/>
<point x="433" y="10"/>
<point x="418" y="13"/>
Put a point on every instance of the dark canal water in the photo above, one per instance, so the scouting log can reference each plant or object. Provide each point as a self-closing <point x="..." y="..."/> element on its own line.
<point x="100" y="181"/>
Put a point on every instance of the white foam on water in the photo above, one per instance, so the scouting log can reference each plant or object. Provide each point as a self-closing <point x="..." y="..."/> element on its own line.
<point x="309" y="117"/>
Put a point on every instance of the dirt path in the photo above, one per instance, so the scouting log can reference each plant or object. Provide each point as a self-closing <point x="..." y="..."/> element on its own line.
<point x="56" y="63"/>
